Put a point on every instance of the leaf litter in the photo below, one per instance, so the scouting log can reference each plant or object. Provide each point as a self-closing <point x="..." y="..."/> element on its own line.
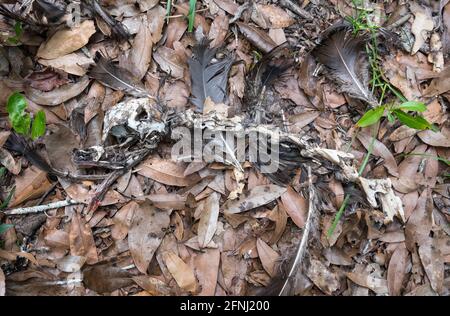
<point x="116" y="86"/>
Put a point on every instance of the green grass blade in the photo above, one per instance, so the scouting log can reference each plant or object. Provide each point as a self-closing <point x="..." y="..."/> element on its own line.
<point x="191" y="15"/>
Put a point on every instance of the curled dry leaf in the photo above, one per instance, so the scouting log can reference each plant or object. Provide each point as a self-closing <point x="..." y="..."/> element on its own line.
<point x="219" y="30"/>
<point x="30" y="185"/>
<point x="257" y="37"/>
<point x="181" y="272"/>
<point x="166" y="172"/>
<point x="146" y="233"/>
<point x="396" y="272"/>
<point x="208" y="222"/>
<point x="75" y="63"/>
<point x="296" y="206"/>
<point x="67" y="40"/>
<point x="269" y="257"/>
<point x="258" y="196"/>
<point x="59" y="95"/>
<point x="81" y="240"/>
<point x="436" y="139"/>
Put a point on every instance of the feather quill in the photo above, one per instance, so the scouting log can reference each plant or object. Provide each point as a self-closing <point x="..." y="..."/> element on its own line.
<point x="208" y="79"/>
<point x="117" y="78"/>
<point x="345" y="58"/>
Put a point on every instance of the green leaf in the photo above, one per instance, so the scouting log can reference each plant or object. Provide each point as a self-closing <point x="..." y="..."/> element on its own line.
<point x="371" y="117"/>
<point x="38" y="128"/>
<point x="4" y="228"/>
<point x="191" y="16"/>
<point x="2" y="171"/>
<point x="18" y="29"/>
<point x="391" y="117"/>
<point x="416" y="122"/>
<point x="15" y="107"/>
<point x="413" y="106"/>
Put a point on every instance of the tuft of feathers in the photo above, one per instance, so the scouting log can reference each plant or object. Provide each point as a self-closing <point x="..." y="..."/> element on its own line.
<point x="117" y="78"/>
<point x="345" y="59"/>
<point x="208" y="79"/>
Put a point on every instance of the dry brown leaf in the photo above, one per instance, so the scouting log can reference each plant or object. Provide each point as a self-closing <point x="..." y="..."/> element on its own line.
<point x="59" y="95"/>
<point x="322" y="277"/>
<point x="2" y="283"/>
<point x="296" y="206"/>
<point x="269" y="257"/>
<point x="422" y="25"/>
<point x="257" y="37"/>
<point x="433" y="263"/>
<point x="436" y="139"/>
<point x="12" y="256"/>
<point x="31" y="184"/>
<point x="279" y="216"/>
<point x="206" y="269"/>
<point x="379" y="286"/>
<point x="219" y="30"/>
<point x="181" y="272"/>
<point x="208" y="221"/>
<point x="169" y="62"/>
<point x="122" y="221"/>
<point x="67" y="40"/>
<point x="81" y="240"/>
<point x="75" y="63"/>
<point x="396" y="271"/>
<point x="152" y="285"/>
<point x="419" y="223"/>
<point x="273" y="16"/>
<point x="7" y="160"/>
<point x="166" y="172"/>
<point x="167" y="201"/>
<point x="380" y="150"/>
<point x="258" y="196"/>
<point x="140" y="55"/>
<point x="147" y="230"/>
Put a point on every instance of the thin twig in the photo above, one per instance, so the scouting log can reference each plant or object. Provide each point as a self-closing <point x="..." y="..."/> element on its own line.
<point x="41" y="208"/>
<point x="304" y="242"/>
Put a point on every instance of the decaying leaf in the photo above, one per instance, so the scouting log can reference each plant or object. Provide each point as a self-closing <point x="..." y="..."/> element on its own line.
<point x="258" y="196"/>
<point x="146" y="233"/>
<point x="208" y="222"/>
<point x="181" y="272"/>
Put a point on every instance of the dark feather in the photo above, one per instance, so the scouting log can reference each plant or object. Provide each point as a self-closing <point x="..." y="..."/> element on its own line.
<point x="117" y="28"/>
<point x="20" y="145"/>
<point x="51" y="11"/>
<point x="345" y="58"/>
<point x="269" y="69"/>
<point x="117" y="78"/>
<point x="208" y="79"/>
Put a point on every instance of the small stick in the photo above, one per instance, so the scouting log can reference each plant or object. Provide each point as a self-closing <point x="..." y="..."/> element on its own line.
<point x="41" y="208"/>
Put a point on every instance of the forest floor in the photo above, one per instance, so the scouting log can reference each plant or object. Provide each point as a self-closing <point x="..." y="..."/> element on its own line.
<point x="94" y="202"/>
